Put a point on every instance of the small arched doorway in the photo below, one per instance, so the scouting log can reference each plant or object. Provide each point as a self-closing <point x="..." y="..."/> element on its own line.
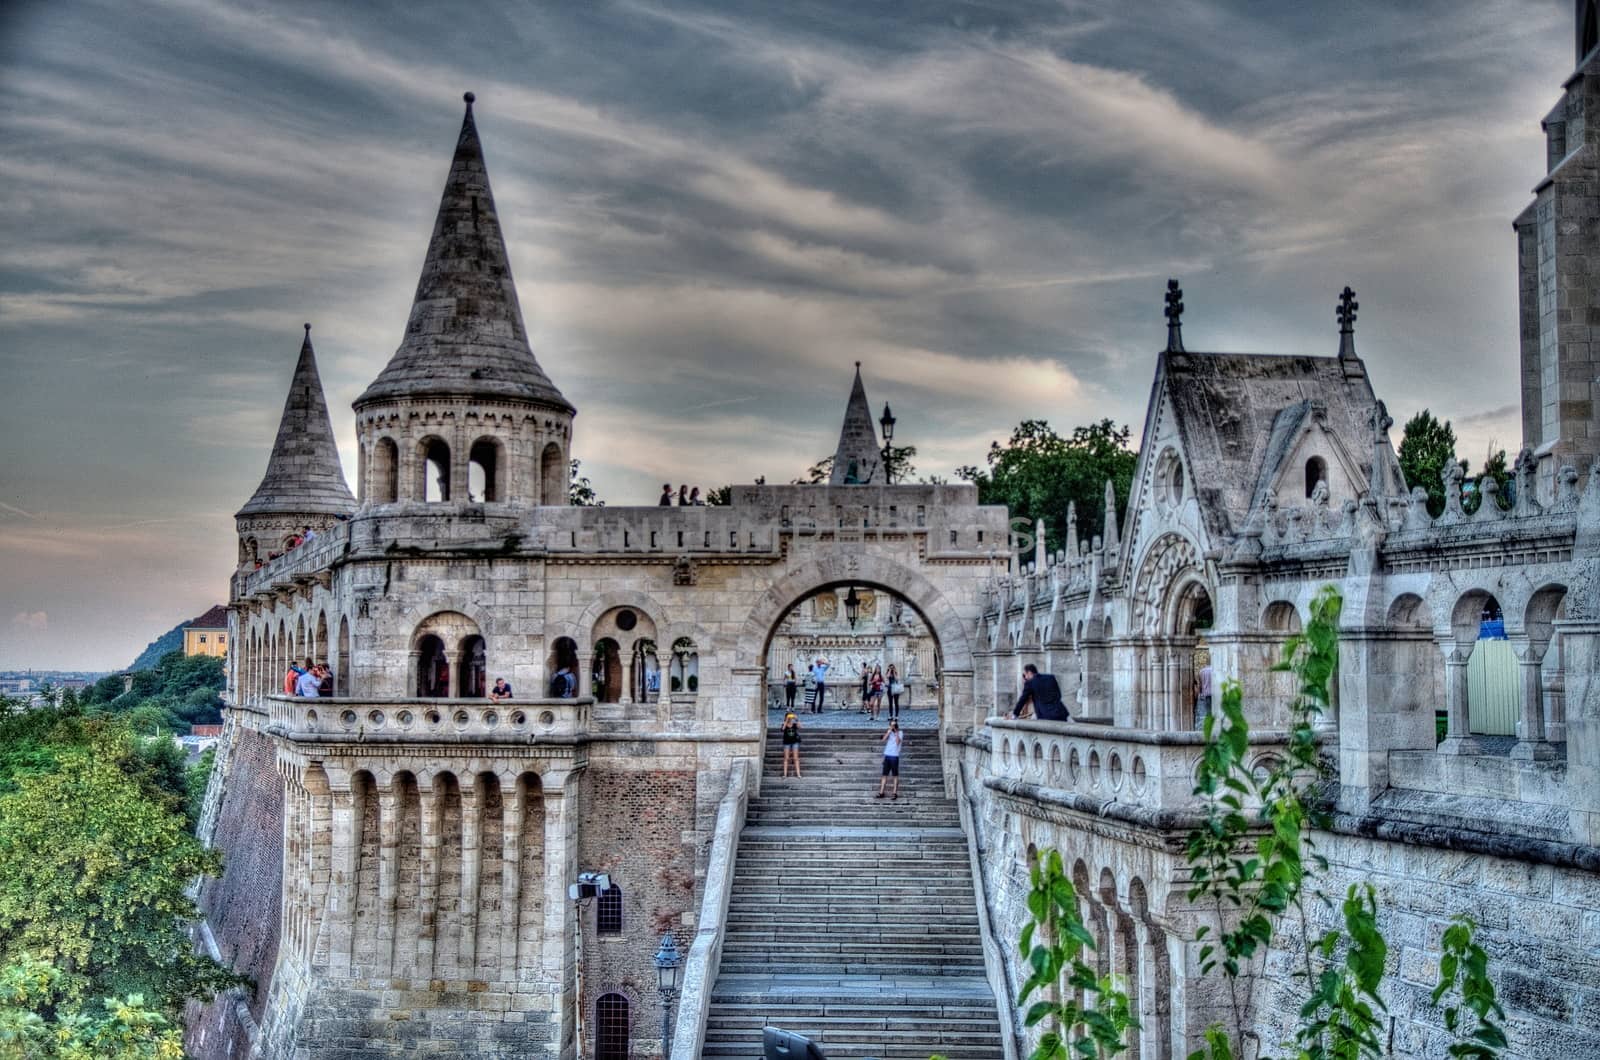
<point x="473" y="666"/>
<point x="605" y="673"/>
<point x="1187" y="653"/>
<point x="433" y="668"/>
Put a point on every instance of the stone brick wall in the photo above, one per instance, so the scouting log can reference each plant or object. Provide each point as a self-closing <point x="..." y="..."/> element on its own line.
<point x="639" y="825"/>
<point x="243" y="905"/>
<point x="1539" y="923"/>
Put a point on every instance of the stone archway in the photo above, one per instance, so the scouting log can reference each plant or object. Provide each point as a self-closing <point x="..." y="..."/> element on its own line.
<point x="932" y="603"/>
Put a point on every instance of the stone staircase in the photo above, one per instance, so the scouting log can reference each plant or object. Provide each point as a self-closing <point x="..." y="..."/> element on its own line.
<point x="852" y="919"/>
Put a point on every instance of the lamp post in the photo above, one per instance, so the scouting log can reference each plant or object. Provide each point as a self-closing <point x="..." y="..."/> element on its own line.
<point x="852" y="606"/>
<point x="886" y="421"/>
<point x="667" y="961"/>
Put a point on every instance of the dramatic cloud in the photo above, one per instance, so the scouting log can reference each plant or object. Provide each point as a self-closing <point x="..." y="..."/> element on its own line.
<point x="713" y="210"/>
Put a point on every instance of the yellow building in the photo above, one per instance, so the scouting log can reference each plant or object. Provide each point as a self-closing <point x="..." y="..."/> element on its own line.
<point x="208" y="634"/>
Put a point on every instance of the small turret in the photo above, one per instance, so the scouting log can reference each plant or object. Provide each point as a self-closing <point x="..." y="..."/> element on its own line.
<point x="857" y="460"/>
<point x="304" y="484"/>
<point x="1112" y="546"/>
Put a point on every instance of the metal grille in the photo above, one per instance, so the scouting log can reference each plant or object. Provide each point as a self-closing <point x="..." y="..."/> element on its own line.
<point x="611" y="1027"/>
<point x="608" y="914"/>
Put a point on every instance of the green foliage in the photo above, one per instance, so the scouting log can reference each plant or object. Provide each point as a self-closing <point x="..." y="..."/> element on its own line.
<point x="1052" y="946"/>
<point x="580" y="491"/>
<point x="1038" y="473"/>
<point x="1426" y="449"/>
<point x="179" y="691"/>
<point x="720" y="497"/>
<point x="94" y="859"/>
<point x="39" y="1022"/>
<point x="195" y="781"/>
<point x="1251" y="865"/>
<point x="1495" y="467"/>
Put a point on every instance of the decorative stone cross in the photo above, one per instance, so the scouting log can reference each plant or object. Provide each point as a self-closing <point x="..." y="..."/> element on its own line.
<point x="1347" y="311"/>
<point x="1174" y="313"/>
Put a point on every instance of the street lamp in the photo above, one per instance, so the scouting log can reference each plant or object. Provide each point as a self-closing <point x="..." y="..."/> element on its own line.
<point x="886" y="421"/>
<point x="852" y="606"/>
<point x="667" y="961"/>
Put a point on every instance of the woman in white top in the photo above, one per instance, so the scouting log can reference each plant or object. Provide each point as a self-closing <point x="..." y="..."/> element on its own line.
<point x="892" y="740"/>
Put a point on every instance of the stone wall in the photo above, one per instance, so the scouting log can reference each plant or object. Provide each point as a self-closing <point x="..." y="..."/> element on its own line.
<point x="242" y="907"/>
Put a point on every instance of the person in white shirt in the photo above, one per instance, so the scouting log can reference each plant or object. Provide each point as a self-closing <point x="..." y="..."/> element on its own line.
<point x="891" y="740"/>
<point x="1204" y="681"/>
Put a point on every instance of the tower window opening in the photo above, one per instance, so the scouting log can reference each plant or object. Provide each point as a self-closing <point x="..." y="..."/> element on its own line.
<point x="435" y="471"/>
<point x="1316" y="471"/>
<point x="483" y="471"/>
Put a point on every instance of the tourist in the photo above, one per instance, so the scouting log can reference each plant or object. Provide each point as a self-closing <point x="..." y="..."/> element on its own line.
<point x="819" y="675"/>
<point x="875" y="693"/>
<point x="308" y="685"/>
<point x="291" y="678"/>
<point x="683" y="496"/>
<point x="564" y="685"/>
<point x="789" y="688"/>
<point x="307" y="536"/>
<point x="325" y="681"/>
<point x="1203" y="689"/>
<point x="791" y="744"/>
<point x="892" y="739"/>
<point x="895" y="689"/>
<point x="666" y="495"/>
<point x="694" y="498"/>
<point x="500" y="691"/>
<point x="1041" y="692"/>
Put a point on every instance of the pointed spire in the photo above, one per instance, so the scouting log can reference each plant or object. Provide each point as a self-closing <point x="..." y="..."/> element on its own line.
<point x="465" y="335"/>
<point x="856" y="460"/>
<point x="303" y="474"/>
<point x="1174" y="313"/>
<point x="1346" y="315"/>
<point x="1072" y="530"/>
<point x="1111" y="519"/>
<point x="1038" y="544"/>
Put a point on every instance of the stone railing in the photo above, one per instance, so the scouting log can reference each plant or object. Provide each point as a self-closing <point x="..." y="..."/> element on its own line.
<point x="1137" y="768"/>
<point x="385" y="720"/>
<point x="705" y="954"/>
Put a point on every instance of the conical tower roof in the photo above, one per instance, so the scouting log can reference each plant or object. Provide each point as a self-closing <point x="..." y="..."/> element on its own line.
<point x="303" y="473"/>
<point x="857" y="458"/>
<point x="465" y="336"/>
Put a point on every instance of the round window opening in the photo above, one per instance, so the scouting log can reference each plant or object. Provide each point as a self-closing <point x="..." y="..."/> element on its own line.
<point x="626" y="620"/>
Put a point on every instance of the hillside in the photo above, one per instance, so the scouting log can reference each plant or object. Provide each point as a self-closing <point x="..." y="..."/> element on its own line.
<point x="171" y="640"/>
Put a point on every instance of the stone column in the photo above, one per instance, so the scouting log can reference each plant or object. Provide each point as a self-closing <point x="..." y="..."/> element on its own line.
<point x="561" y="927"/>
<point x="1458" y="735"/>
<point x="512" y="795"/>
<point x="388" y="876"/>
<point x="1531" y="743"/>
<point x="471" y="869"/>
<point x="1580" y="646"/>
<point x="341" y="886"/>
<point x="428" y="819"/>
<point x="585" y="673"/>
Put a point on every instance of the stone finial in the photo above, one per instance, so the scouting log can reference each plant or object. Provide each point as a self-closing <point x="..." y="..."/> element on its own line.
<point x="1072" y="529"/>
<point x="1038" y="544"/>
<point x="1346" y="315"/>
<point x="1526" y="477"/>
<point x="1567" y="487"/>
<point x="470" y="98"/>
<point x="1111" y="519"/>
<point x="1174" y="313"/>
<point x="1488" y="498"/>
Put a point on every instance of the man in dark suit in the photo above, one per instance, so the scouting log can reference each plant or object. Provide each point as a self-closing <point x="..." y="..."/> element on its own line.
<point x="1042" y="691"/>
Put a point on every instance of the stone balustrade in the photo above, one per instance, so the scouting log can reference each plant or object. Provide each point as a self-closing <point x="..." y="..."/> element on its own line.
<point x="384" y="720"/>
<point x="1139" y="768"/>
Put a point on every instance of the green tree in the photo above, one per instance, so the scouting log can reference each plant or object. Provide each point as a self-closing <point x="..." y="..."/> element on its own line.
<point x="1038" y="473"/>
<point x="580" y="491"/>
<point x="37" y="1022"/>
<point x="93" y="867"/>
<point x="1495" y="466"/>
<point x="901" y="468"/>
<point x="1426" y="449"/>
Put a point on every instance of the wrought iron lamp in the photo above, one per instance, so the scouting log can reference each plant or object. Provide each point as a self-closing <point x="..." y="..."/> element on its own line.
<point x="852" y="607"/>
<point x="667" y="960"/>
<point x="886" y="421"/>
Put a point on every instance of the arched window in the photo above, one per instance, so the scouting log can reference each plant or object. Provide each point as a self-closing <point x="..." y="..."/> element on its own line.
<point x="248" y="552"/>
<point x="433" y="465"/>
<point x="484" y="471"/>
<point x="646" y="671"/>
<point x="1316" y="471"/>
<point x="611" y="1027"/>
<point x="433" y="668"/>
<point x="552" y="476"/>
<point x="563" y="656"/>
<point x="684" y="675"/>
<point x="341" y="664"/>
<point x="606" y="672"/>
<point x="385" y="486"/>
<point x="608" y="911"/>
<point x="473" y="669"/>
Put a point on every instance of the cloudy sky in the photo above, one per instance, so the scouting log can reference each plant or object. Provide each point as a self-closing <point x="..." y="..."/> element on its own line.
<point x="711" y="213"/>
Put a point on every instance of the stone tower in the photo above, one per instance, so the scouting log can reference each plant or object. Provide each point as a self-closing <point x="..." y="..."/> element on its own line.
<point x="304" y="484"/>
<point x="856" y="461"/>
<point x="1559" y="299"/>
<point x="463" y="413"/>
